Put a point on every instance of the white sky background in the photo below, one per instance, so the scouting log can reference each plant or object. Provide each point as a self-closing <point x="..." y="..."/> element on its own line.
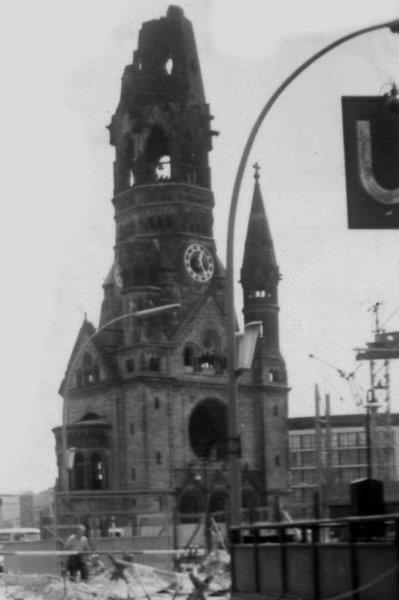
<point x="61" y="64"/>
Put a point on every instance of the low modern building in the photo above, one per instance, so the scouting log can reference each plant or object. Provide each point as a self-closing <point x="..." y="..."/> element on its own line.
<point x="337" y="455"/>
<point x="10" y="515"/>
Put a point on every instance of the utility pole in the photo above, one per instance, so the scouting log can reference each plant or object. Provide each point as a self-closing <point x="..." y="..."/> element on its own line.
<point x="328" y="474"/>
<point x="319" y="500"/>
<point x="329" y="448"/>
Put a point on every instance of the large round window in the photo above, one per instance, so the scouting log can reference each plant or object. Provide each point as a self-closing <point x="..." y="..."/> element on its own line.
<point x="208" y="429"/>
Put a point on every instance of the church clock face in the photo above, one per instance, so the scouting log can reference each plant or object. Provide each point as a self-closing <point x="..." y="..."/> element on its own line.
<point x="199" y="262"/>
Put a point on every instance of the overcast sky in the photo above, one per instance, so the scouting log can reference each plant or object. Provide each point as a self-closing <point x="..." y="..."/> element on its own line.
<point x="61" y="64"/>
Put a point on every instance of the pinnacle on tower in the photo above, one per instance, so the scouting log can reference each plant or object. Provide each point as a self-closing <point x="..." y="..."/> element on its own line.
<point x="260" y="272"/>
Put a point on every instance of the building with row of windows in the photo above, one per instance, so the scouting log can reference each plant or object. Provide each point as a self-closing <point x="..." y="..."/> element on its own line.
<point x="343" y="456"/>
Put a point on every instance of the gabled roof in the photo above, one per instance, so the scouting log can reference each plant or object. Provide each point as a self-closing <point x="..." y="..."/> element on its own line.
<point x="87" y="337"/>
<point x="193" y="311"/>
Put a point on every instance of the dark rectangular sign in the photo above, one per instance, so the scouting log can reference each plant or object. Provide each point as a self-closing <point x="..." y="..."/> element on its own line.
<point x="371" y="140"/>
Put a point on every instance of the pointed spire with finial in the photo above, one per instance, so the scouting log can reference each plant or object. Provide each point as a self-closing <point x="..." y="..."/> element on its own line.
<point x="256" y="167"/>
<point x="259" y="272"/>
<point x="259" y="257"/>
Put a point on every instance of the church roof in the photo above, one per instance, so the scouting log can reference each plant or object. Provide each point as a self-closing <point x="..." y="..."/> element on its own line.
<point x="259" y="255"/>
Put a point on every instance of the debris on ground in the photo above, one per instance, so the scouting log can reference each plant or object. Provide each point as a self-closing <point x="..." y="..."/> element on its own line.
<point x="125" y="580"/>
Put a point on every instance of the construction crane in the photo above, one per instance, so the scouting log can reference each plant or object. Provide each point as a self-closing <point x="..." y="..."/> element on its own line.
<point x="354" y="388"/>
<point x="378" y="353"/>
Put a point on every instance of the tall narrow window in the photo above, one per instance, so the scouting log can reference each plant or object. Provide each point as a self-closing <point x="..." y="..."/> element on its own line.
<point x="189" y="359"/>
<point x="91" y="372"/>
<point x="209" y="360"/>
<point x="79" y="471"/>
<point x="162" y="170"/>
<point x="159" y="458"/>
<point x="157" y="155"/>
<point x="97" y="472"/>
<point x="130" y="365"/>
<point x="87" y="368"/>
<point x="169" y="66"/>
<point x="273" y="376"/>
<point x="96" y="374"/>
<point x="154" y="363"/>
<point x="79" y="378"/>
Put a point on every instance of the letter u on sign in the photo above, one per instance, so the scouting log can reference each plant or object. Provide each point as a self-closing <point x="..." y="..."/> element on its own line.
<point x="366" y="174"/>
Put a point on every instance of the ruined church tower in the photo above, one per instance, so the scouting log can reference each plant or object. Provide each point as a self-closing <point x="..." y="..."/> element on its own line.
<point x="145" y="393"/>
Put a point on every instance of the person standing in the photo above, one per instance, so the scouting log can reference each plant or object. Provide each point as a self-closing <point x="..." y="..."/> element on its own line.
<point x="77" y="562"/>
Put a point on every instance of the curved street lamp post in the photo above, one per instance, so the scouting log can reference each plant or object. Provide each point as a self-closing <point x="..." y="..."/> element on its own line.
<point x="234" y="439"/>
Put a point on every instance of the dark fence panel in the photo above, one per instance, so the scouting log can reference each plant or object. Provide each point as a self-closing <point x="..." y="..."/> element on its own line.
<point x="312" y="560"/>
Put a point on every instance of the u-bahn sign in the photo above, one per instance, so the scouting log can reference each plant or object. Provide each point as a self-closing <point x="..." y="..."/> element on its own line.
<point x="371" y="139"/>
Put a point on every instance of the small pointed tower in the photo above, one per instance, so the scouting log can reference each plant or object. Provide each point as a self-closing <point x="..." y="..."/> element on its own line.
<point x="259" y="278"/>
<point x="260" y="273"/>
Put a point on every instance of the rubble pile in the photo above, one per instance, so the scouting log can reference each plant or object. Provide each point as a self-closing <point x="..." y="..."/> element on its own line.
<point x="126" y="580"/>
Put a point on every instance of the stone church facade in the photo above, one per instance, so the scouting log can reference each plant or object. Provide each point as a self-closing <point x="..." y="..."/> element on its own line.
<point x="145" y="394"/>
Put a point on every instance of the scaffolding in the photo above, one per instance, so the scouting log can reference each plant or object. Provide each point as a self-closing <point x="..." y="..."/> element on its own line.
<point x="379" y="353"/>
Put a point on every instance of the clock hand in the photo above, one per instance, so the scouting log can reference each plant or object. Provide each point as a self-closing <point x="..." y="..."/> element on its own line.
<point x="201" y="262"/>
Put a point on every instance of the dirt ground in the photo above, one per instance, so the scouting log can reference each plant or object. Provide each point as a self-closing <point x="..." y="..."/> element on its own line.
<point x="126" y="581"/>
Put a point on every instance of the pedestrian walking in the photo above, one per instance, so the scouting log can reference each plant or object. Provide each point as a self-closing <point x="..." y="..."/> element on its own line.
<point x="77" y="562"/>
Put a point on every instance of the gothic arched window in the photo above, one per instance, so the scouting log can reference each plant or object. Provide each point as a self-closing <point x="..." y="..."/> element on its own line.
<point x="91" y="371"/>
<point x="190" y="358"/>
<point x="169" y="66"/>
<point x="97" y="472"/>
<point x="154" y="363"/>
<point x="210" y="359"/>
<point x="158" y="160"/>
